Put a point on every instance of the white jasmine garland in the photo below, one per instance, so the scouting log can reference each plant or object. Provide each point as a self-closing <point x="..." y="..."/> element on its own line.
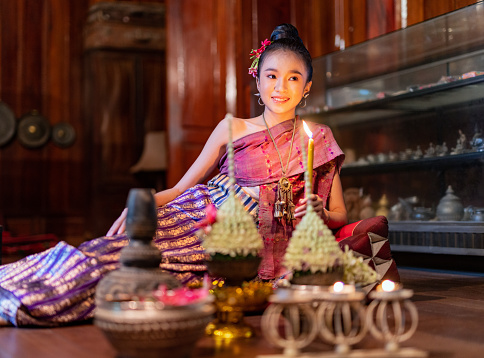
<point x="312" y="246"/>
<point x="356" y="271"/>
<point x="234" y="233"/>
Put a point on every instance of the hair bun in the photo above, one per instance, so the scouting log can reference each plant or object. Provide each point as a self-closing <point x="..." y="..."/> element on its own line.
<point x="285" y="31"/>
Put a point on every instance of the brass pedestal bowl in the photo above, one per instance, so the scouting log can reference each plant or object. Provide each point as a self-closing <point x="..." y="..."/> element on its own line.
<point x="232" y="303"/>
<point x="151" y="329"/>
<point x="235" y="270"/>
<point x="234" y="296"/>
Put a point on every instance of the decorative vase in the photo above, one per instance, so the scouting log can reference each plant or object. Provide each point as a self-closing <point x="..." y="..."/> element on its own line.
<point x="145" y="329"/>
<point x="234" y="270"/>
<point x="150" y="330"/>
<point x="450" y="207"/>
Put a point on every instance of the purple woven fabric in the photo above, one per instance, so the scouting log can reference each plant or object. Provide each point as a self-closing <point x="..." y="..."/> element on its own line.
<point x="57" y="286"/>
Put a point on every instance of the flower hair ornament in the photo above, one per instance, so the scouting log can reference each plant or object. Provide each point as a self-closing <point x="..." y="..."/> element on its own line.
<point x="255" y="55"/>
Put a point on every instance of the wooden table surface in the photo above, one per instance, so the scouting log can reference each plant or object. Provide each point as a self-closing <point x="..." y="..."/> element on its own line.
<point x="451" y="324"/>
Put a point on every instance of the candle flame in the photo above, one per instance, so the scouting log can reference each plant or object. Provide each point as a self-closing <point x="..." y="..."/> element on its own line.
<point x="307" y="130"/>
<point x="338" y="286"/>
<point x="388" y="286"/>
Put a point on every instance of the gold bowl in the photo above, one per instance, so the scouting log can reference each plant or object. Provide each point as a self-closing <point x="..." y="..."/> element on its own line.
<point x="232" y="303"/>
<point x="234" y="270"/>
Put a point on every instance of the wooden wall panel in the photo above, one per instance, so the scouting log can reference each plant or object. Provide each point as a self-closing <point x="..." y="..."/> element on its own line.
<point x="202" y="59"/>
<point x="245" y="86"/>
<point x="381" y="17"/>
<point x="433" y="8"/>
<point x="421" y="10"/>
<point x="415" y="11"/>
<point x="358" y="22"/>
<point x="41" y="188"/>
<point x="462" y="3"/>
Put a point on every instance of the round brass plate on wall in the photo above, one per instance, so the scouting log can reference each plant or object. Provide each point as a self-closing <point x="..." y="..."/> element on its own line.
<point x="7" y="124"/>
<point x="33" y="130"/>
<point x="63" y="134"/>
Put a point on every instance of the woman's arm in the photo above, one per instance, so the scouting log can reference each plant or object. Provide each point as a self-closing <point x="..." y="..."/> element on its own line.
<point x="336" y="216"/>
<point x="205" y="163"/>
<point x="202" y="167"/>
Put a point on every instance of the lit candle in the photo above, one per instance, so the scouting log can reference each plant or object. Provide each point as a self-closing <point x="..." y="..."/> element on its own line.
<point x="389" y="290"/>
<point x="310" y="155"/>
<point x="388" y="286"/>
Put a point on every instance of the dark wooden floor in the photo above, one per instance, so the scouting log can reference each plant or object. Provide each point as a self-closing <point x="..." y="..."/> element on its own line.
<point x="450" y="306"/>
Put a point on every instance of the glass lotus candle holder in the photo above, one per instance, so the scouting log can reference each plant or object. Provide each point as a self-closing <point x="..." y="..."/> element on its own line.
<point x="294" y="309"/>
<point x="341" y="316"/>
<point x="387" y="317"/>
<point x="298" y="313"/>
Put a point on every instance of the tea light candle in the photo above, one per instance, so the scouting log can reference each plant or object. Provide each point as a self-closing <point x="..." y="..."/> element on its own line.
<point x="388" y="286"/>
<point x="402" y="316"/>
<point x="340" y="287"/>
<point x="389" y="290"/>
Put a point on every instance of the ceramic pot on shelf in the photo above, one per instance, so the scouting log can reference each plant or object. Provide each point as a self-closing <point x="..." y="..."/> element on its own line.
<point x="450" y="207"/>
<point x="477" y="215"/>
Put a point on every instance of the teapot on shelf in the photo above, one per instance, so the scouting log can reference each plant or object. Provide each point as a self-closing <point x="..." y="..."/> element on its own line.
<point x="418" y="213"/>
<point x="473" y="214"/>
<point x="477" y="214"/>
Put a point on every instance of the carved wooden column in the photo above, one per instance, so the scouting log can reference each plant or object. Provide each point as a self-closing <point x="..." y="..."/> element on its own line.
<point x="125" y="82"/>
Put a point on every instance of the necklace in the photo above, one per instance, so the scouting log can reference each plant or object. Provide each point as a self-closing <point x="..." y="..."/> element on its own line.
<point x="284" y="207"/>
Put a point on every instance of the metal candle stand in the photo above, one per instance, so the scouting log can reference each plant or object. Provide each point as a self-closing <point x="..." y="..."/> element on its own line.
<point x="342" y="320"/>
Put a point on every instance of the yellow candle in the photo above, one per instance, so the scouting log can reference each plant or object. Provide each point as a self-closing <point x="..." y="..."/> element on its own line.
<point x="310" y="159"/>
<point x="310" y="154"/>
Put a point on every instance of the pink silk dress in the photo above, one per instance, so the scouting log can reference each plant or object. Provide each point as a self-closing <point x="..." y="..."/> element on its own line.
<point x="257" y="164"/>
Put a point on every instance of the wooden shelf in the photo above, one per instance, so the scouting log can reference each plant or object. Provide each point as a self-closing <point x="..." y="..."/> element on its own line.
<point x="437" y="237"/>
<point x="437" y="226"/>
<point x="437" y="97"/>
<point x="434" y="163"/>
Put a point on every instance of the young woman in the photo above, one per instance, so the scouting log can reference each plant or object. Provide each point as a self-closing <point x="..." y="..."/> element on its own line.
<point x="58" y="285"/>
<point x="267" y="149"/>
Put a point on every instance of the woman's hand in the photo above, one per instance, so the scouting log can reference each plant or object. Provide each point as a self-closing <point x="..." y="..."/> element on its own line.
<point x="317" y="205"/>
<point x="119" y="225"/>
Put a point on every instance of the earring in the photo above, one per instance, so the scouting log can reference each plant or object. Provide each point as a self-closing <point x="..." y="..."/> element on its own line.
<point x="304" y="99"/>
<point x="259" y="100"/>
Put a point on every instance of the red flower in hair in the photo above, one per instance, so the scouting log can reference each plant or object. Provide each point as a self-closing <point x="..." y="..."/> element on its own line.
<point x="255" y="54"/>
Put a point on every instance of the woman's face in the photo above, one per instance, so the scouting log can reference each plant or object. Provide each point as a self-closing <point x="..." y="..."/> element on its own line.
<point x="282" y="82"/>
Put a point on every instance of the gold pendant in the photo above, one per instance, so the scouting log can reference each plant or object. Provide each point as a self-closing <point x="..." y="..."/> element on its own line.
<point x="284" y="207"/>
<point x="278" y="209"/>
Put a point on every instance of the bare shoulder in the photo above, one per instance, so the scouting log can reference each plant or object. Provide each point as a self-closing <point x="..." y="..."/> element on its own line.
<point x="241" y="127"/>
<point x="245" y="126"/>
